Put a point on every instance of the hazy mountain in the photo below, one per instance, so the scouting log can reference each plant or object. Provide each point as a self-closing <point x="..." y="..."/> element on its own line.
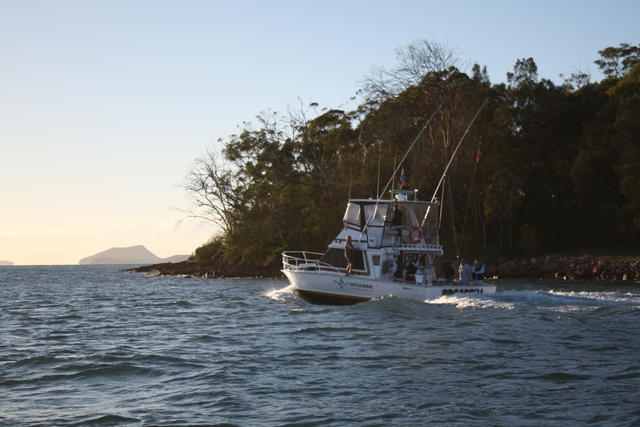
<point x="6" y="263"/>
<point x="131" y="255"/>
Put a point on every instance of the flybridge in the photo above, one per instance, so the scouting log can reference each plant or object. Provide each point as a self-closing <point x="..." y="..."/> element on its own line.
<point x="386" y="223"/>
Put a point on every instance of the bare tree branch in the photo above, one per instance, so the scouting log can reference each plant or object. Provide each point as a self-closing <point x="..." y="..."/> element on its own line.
<point x="210" y="187"/>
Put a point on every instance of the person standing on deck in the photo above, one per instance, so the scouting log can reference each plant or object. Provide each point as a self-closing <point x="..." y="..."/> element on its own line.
<point x="412" y="268"/>
<point x="397" y="270"/>
<point x="396" y="220"/>
<point x="348" y="247"/>
<point x="404" y="179"/>
<point x="446" y="270"/>
<point x="478" y="270"/>
<point x="464" y="271"/>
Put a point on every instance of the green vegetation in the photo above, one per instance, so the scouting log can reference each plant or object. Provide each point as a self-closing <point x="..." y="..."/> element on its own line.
<point x="559" y="169"/>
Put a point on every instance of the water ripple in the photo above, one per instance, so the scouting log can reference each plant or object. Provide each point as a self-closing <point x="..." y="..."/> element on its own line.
<point x="92" y="346"/>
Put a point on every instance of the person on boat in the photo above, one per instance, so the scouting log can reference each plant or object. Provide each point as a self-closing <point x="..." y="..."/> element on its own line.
<point x="412" y="268"/>
<point x="464" y="272"/>
<point x="396" y="215"/>
<point x="396" y="220"/>
<point x="478" y="270"/>
<point x="348" y="248"/>
<point x="404" y="179"/>
<point x="397" y="269"/>
<point x="446" y="271"/>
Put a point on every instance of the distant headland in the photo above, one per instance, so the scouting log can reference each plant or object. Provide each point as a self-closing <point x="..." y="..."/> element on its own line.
<point x="6" y="263"/>
<point x="130" y="255"/>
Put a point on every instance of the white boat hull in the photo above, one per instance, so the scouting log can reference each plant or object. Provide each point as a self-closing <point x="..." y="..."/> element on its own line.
<point x="337" y="288"/>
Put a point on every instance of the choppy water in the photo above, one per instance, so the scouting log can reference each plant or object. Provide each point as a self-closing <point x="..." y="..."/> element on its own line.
<point x="92" y="346"/>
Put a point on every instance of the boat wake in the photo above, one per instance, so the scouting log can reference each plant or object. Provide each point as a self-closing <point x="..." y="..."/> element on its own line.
<point x="603" y="298"/>
<point x="287" y="294"/>
<point x="553" y="300"/>
<point x="472" y="301"/>
<point x="549" y="299"/>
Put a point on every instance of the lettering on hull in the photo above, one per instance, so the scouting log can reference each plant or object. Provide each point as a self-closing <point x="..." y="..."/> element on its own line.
<point x="462" y="291"/>
<point x="341" y="284"/>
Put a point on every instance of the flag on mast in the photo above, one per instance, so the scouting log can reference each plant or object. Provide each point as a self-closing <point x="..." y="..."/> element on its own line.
<point x="478" y="156"/>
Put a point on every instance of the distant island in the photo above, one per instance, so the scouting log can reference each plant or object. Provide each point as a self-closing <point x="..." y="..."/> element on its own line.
<point x="129" y="255"/>
<point x="6" y="263"/>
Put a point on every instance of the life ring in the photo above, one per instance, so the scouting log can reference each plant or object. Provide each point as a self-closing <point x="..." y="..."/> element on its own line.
<point x="415" y="235"/>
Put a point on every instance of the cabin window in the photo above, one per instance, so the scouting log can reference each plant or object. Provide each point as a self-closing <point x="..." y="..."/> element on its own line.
<point x="376" y="259"/>
<point x="352" y="216"/>
<point x="375" y="214"/>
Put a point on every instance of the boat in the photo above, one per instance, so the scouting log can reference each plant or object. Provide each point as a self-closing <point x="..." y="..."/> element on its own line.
<point x="395" y="245"/>
<point x="387" y="247"/>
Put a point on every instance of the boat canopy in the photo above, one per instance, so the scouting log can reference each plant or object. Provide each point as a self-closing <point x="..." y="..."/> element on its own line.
<point x="374" y="213"/>
<point x="361" y="213"/>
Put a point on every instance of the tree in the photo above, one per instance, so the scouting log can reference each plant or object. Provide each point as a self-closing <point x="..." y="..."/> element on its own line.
<point x="627" y="139"/>
<point x="212" y="189"/>
<point x="616" y="62"/>
<point x="416" y="61"/>
<point x="559" y="164"/>
<point x="525" y="73"/>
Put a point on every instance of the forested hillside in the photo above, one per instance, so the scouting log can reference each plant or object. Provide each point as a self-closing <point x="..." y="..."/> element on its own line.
<point x="544" y="168"/>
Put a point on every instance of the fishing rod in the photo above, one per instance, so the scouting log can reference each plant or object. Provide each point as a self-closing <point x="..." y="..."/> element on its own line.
<point x="453" y="155"/>
<point x="437" y="110"/>
<point x="414" y="143"/>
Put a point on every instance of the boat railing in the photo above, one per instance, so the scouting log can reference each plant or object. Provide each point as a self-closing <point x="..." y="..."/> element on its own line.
<point x="419" y="247"/>
<point x="305" y="260"/>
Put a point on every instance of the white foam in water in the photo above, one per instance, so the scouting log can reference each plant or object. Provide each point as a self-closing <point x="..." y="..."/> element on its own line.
<point x="510" y="299"/>
<point x="603" y="298"/>
<point x="281" y="294"/>
<point x="471" y="302"/>
<point x="555" y="300"/>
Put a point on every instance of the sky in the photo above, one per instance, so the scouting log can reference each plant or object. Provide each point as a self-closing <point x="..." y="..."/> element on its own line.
<point x="105" y="105"/>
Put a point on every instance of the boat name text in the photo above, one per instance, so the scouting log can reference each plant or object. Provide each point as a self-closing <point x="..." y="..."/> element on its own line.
<point x="461" y="291"/>
<point x="354" y="285"/>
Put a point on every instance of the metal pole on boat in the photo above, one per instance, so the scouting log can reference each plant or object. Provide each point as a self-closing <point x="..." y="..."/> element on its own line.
<point x="378" y="183"/>
<point x="446" y="169"/>
<point x="414" y="143"/>
<point x="456" y="150"/>
<point x="395" y="170"/>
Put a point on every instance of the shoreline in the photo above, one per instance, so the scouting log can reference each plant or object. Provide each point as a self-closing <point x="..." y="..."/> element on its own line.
<point x="206" y="270"/>
<point x="534" y="268"/>
<point x="568" y="268"/>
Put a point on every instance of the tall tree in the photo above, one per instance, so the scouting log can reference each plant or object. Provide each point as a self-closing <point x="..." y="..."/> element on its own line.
<point x="617" y="61"/>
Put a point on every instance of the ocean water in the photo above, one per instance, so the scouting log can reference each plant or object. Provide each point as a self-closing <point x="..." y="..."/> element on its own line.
<point x="89" y="345"/>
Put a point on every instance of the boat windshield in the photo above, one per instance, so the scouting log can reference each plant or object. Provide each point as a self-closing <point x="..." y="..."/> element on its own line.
<point x="352" y="216"/>
<point x="358" y="214"/>
<point x="375" y="214"/>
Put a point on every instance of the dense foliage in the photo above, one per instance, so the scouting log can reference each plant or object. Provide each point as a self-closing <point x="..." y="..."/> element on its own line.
<point x="559" y="166"/>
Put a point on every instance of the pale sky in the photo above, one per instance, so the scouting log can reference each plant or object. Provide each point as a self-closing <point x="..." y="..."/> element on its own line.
<point x="104" y="105"/>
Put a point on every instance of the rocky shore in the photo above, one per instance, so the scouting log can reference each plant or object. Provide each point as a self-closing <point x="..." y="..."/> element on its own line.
<point x="546" y="267"/>
<point x="207" y="270"/>
<point x="567" y="268"/>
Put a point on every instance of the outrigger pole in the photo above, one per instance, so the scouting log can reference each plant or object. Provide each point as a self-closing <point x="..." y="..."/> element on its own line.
<point x="414" y="143"/>
<point x="446" y="169"/>
<point x="402" y="160"/>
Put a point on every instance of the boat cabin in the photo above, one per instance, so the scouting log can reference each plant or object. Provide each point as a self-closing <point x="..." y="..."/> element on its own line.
<point x="394" y="238"/>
